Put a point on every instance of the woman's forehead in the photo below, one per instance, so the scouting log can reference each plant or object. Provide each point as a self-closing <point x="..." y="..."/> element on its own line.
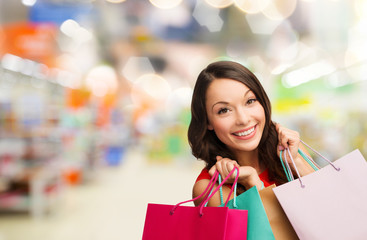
<point x="226" y="87"/>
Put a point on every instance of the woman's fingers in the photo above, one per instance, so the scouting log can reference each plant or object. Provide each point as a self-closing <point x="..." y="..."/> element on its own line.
<point x="225" y="166"/>
<point x="212" y="170"/>
<point x="288" y="139"/>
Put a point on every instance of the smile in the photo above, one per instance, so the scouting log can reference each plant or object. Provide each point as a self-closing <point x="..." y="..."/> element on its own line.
<point x="245" y="133"/>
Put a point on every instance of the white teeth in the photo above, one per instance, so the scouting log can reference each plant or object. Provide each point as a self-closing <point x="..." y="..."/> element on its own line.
<point x="245" y="133"/>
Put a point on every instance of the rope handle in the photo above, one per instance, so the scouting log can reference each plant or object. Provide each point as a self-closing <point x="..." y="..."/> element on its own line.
<point x="220" y="191"/>
<point x="288" y="170"/>
<point x="309" y="160"/>
<point x="330" y="162"/>
<point x="208" y="192"/>
<point x="218" y="188"/>
<point x="235" y="194"/>
<point x="294" y="165"/>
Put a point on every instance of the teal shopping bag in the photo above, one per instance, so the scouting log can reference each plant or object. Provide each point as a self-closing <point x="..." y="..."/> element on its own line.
<point x="258" y="226"/>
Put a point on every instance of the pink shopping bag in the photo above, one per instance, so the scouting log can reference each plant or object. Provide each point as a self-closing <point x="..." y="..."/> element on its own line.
<point x="330" y="203"/>
<point x="175" y="222"/>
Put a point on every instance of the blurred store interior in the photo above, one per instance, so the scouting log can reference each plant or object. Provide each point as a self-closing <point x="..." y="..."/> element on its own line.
<point x="95" y="99"/>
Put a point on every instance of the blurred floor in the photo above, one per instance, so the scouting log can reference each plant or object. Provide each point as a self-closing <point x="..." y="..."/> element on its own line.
<point x="110" y="207"/>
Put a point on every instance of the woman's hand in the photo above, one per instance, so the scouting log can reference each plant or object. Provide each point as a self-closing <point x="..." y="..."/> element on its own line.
<point x="248" y="176"/>
<point x="290" y="139"/>
<point x="224" y="167"/>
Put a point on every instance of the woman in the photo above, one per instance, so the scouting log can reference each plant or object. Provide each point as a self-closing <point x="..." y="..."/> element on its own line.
<point x="231" y="126"/>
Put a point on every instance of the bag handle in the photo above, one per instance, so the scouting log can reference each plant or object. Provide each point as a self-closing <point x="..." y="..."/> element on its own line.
<point x="330" y="162"/>
<point x="294" y="165"/>
<point x="235" y="169"/>
<point x="288" y="170"/>
<point x="208" y="187"/>
<point x="221" y="193"/>
<point x="235" y="193"/>
<point x="308" y="159"/>
<point x="208" y="192"/>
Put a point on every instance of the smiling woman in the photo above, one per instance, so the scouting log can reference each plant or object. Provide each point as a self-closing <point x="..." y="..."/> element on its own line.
<point x="237" y="119"/>
<point x="231" y="126"/>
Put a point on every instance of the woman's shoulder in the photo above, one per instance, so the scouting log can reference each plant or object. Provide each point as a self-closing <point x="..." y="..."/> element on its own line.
<point x="204" y="174"/>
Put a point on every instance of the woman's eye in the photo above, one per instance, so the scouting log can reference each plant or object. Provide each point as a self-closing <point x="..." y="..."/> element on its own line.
<point x="223" y="110"/>
<point x="252" y="100"/>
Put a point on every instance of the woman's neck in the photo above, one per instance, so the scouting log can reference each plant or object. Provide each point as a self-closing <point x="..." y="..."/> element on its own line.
<point x="250" y="159"/>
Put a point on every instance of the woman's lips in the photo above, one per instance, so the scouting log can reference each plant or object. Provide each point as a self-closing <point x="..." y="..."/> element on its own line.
<point x="246" y="134"/>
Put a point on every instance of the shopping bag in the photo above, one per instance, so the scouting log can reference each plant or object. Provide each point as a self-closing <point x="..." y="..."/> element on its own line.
<point x="280" y="225"/>
<point x="258" y="226"/>
<point x="175" y="222"/>
<point x="329" y="203"/>
<point x="279" y="222"/>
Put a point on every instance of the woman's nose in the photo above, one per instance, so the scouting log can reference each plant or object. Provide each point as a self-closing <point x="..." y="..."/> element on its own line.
<point x="242" y="118"/>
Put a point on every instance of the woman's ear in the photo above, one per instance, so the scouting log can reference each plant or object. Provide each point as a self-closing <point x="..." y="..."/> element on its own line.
<point x="210" y="127"/>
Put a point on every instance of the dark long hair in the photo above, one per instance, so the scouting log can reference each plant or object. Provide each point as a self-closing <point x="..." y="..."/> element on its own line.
<point x="205" y="145"/>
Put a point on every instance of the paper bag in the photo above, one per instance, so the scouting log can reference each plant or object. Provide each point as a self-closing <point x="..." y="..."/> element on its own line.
<point x="282" y="228"/>
<point x="330" y="203"/>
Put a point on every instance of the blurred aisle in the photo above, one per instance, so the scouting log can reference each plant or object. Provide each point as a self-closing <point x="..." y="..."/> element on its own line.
<point x="110" y="207"/>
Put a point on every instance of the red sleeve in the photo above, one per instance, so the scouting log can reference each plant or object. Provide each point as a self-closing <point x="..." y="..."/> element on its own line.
<point x="264" y="176"/>
<point x="203" y="175"/>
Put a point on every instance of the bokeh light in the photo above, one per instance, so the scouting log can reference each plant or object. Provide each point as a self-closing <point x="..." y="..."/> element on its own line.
<point x="251" y="6"/>
<point x="207" y="16"/>
<point x="259" y="24"/>
<point x="115" y="1"/>
<point x="176" y="17"/>
<point x="308" y="73"/>
<point x="29" y="3"/>
<point x="72" y="29"/>
<point x="135" y="67"/>
<point x="284" y="44"/>
<point x="220" y="3"/>
<point x="279" y="9"/>
<point x="155" y="85"/>
<point x="101" y="80"/>
<point x="178" y="99"/>
<point x="150" y="89"/>
<point x="360" y="8"/>
<point x="165" y="4"/>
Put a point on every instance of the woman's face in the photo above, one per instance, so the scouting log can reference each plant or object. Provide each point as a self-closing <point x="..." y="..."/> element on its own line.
<point x="235" y="114"/>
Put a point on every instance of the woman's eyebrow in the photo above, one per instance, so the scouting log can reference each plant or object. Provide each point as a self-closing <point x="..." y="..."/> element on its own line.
<point x="248" y="91"/>
<point x="221" y="102"/>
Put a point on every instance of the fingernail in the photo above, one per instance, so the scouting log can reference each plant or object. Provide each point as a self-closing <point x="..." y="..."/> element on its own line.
<point x="280" y="147"/>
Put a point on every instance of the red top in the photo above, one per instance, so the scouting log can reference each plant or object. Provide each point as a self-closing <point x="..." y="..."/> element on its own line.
<point x="264" y="177"/>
